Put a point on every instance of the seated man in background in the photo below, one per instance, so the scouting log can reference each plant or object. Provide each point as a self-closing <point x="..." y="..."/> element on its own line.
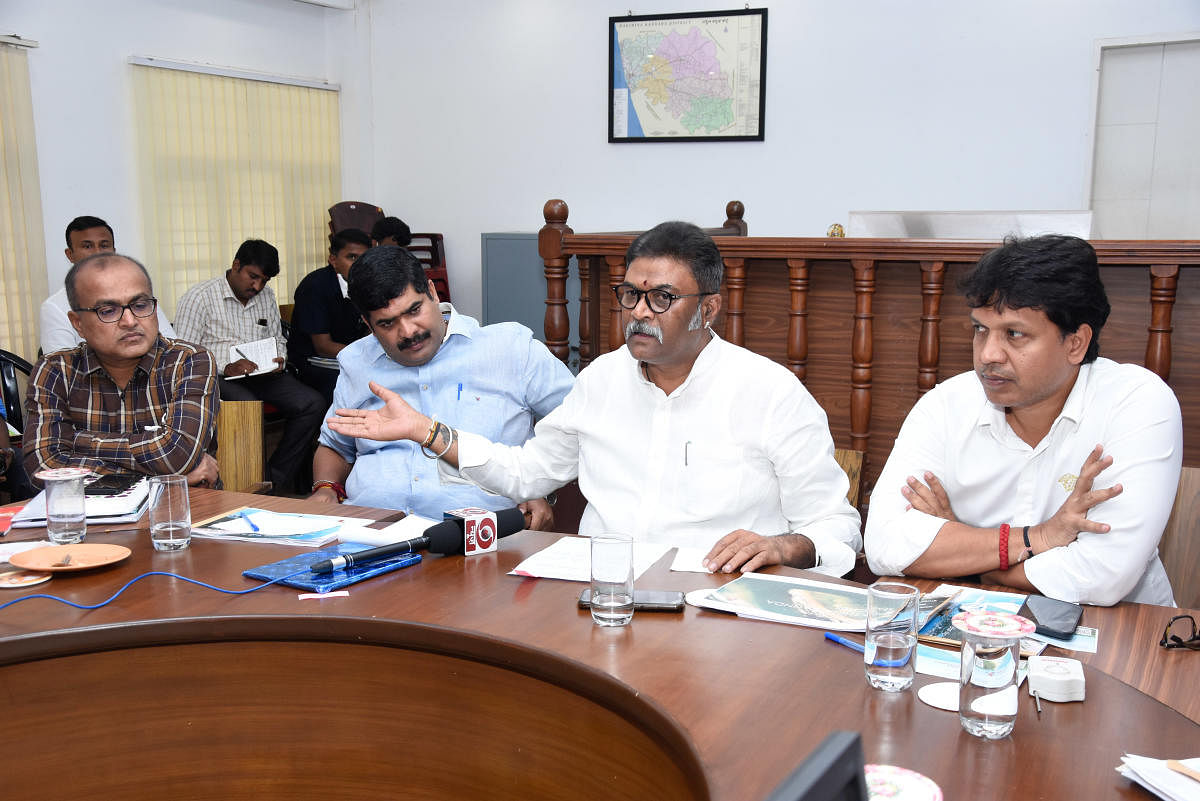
<point x="995" y="472"/>
<point x="497" y="379"/>
<point x="324" y="319"/>
<point x="86" y="236"/>
<point x="678" y="437"/>
<point x="391" y="231"/>
<point x="127" y="400"/>
<point x="237" y="308"/>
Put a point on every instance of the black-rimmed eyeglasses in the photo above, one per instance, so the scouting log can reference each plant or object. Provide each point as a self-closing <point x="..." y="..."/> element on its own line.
<point x="659" y="300"/>
<point x="1180" y="632"/>
<point x="111" y="312"/>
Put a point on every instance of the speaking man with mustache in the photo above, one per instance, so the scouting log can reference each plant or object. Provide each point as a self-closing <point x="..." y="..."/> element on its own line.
<point x="678" y="437"/>
<point x="1046" y="468"/>
<point x="496" y="379"/>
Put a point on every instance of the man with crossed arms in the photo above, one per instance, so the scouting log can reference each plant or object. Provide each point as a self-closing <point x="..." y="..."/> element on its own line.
<point x="1046" y="469"/>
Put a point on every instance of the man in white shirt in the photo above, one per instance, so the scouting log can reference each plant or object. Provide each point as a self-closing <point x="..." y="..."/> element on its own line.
<point x="230" y="311"/>
<point x="86" y="236"/>
<point x="995" y="472"/>
<point x="678" y="437"/>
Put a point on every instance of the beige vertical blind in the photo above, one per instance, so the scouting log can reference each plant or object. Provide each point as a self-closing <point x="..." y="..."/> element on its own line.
<point x="22" y="248"/>
<point x="227" y="159"/>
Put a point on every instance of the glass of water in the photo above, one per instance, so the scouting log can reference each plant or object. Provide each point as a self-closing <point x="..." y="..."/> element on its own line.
<point x="612" y="579"/>
<point x="987" y="687"/>
<point x="66" y="518"/>
<point x="170" y="513"/>
<point x="891" y="635"/>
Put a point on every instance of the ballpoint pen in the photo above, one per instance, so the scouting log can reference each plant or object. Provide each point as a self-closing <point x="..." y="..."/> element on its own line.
<point x="246" y="516"/>
<point x="854" y="646"/>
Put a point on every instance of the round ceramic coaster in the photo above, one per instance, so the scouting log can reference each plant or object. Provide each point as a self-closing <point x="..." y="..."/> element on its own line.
<point x="889" y="781"/>
<point x="14" y="578"/>
<point x="942" y="694"/>
<point x="1000" y="625"/>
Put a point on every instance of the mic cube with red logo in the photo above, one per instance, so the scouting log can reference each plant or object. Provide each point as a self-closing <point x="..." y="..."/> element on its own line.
<point x="479" y="529"/>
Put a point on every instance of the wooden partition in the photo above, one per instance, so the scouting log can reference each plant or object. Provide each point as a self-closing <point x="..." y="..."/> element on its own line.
<point x="870" y="324"/>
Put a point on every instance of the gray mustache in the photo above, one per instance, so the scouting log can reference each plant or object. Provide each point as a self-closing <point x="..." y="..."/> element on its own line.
<point x="643" y="327"/>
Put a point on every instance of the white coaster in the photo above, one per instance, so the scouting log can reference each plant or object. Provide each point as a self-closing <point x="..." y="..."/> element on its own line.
<point x="943" y="695"/>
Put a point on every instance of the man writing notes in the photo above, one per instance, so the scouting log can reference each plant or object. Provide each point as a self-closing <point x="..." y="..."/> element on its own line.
<point x="324" y="319"/>
<point x="496" y="379"/>
<point x="229" y="312"/>
<point x="86" y="236"/>
<point x="1047" y="468"/>
<point x="127" y="400"/>
<point x="677" y="437"/>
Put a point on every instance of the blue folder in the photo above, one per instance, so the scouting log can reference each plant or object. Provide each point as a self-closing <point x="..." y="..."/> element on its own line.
<point x="327" y="582"/>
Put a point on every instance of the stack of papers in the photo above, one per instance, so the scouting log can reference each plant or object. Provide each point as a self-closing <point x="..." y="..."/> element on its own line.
<point x="570" y="558"/>
<point x="261" y="525"/>
<point x="124" y="507"/>
<point x="1158" y="778"/>
<point x="261" y="351"/>
<point x="408" y="527"/>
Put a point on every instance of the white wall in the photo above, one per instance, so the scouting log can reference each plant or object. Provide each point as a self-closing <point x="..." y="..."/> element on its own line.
<point x="465" y="116"/>
<point x="81" y="83"/>
<point x="483" y="111"/>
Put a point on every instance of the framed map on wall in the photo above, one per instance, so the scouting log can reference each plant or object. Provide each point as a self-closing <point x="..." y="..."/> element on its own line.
<point x="687" y="77"/>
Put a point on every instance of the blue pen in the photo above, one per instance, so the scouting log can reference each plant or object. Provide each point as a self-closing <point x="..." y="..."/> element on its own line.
<point x="853" y="646"/>
<point x="460" y="390"/>
<point x="246" y="516"/>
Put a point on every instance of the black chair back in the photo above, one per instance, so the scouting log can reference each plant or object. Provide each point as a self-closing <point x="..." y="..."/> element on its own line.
<point x="14" y="400"/>
<point x="832" y="772"/>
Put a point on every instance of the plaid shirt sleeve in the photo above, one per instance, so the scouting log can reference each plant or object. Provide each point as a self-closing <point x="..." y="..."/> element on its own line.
<point x="49" y="431"/>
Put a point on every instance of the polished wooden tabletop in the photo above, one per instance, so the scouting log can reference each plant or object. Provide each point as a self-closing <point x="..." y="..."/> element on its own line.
<point x="753" y="698"/>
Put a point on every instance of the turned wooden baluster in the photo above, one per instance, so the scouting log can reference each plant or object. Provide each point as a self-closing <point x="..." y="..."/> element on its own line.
<point x="797" y="341"/>
<point x="550" y="247"/>
<point x="1163" y="280"/>
<point x="933" y="277"/>
<point x="861" y="353"/>
<point x="735" y="312"/>
<point x="585" y="310"/>
<point x="616" y="277"/>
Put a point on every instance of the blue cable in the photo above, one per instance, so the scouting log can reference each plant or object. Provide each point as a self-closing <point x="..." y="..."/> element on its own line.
<point x="133" y="581"/>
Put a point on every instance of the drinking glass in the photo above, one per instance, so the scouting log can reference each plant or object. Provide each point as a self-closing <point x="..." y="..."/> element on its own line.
<point x="170" y="514"/>
<point x="612" y="579"/>
<point x="987" y="687"/>
<point x="66" y="518"/>
<point x="891" y="635"/>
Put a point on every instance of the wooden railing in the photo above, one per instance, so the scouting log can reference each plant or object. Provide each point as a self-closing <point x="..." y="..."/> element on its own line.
<point x="871" y="324"/>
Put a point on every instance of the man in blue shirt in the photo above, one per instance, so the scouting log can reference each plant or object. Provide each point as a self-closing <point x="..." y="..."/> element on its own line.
<point x="497" y="380"/>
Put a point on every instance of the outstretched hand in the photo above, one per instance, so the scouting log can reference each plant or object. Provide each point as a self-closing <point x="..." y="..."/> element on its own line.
<point x="1071" y="518"/>
<point x="395" y="420"/>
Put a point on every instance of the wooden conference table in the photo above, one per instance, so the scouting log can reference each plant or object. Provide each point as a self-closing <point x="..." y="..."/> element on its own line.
<point x="451" y="679"/>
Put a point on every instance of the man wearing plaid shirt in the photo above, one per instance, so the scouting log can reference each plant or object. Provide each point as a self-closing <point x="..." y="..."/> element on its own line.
<point x="237" y="308"/>
<point x="125" y="400"/>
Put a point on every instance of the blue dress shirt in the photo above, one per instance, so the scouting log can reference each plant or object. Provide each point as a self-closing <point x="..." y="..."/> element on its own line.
<point x="494" y="380"/>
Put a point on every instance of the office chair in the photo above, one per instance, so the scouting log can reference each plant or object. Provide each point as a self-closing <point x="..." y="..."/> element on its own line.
<point x="14" y="400"/>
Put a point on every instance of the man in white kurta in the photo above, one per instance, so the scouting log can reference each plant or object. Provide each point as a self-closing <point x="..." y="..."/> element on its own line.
<point x="677" y="437"/>
<point x="1044" y="469"/>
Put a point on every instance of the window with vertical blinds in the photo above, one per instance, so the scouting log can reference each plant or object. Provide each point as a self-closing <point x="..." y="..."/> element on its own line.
<point x="225" y="159"/>
<point x="22" y="249"/>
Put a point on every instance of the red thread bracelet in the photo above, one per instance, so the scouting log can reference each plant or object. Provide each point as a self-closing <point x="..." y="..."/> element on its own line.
<point x="1004" y="529"/>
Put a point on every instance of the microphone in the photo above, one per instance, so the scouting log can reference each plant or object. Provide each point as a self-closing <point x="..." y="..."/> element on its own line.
<point x="446" y="539"/>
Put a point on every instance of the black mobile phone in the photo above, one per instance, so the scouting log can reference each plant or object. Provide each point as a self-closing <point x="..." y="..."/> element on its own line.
<point x="1053" y="618"/>
<point x="645" y="600"/>
<point x="112" y="484"/>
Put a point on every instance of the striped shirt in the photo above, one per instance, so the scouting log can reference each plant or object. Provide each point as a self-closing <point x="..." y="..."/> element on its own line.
<point x="211" y="316"/>
<point x="162" y="422"/>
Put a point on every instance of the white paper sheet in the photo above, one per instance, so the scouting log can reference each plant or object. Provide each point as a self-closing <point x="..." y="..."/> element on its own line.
<point x="570" y="558"/>
<point x="261" y="351"/>
<point x="1155" y="776"/>
<point x="409" y="527"/>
